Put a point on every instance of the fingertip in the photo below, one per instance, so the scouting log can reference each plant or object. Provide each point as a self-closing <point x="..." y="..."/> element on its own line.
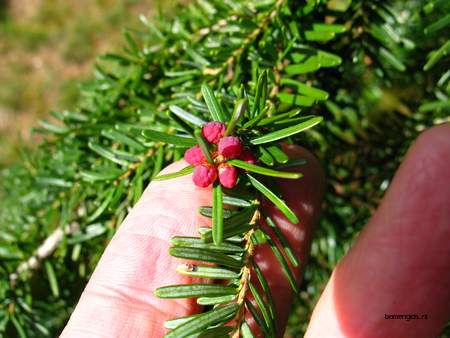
<point x="427" y="158"/>
<point x="312" y="169"/>
<point x="437" y="137"/>
<point x="398" y="266"/>
<point x="304" y="197"/>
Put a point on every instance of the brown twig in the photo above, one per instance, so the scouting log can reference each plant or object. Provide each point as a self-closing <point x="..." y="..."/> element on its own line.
<point x="46" y="249"/>
<point x="245" y="272"/>
<point x="229" y="63"/>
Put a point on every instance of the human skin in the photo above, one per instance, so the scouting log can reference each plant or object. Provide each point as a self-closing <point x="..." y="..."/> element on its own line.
<point x="399" y="264"/>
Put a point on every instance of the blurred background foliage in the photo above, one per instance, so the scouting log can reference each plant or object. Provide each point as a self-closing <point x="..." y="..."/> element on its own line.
<point x="47" y="47"/>
<point x="388" y="79"/>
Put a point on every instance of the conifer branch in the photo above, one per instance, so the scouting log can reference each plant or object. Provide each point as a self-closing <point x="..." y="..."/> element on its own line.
<point x="236" y="54"/>
<point x="48" y="246"/>
<point x="352" y="64"/>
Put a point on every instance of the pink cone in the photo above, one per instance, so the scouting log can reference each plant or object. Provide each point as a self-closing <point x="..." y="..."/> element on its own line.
<point x="194" y="156"/>
<point x="204" y="175"/>
<point x="227" y="175"/>
<point x="230" y="147"/>
<point x="213" y="131"/>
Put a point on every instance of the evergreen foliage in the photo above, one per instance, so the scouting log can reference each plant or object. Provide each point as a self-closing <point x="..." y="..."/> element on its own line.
<point x="377" y="73"/>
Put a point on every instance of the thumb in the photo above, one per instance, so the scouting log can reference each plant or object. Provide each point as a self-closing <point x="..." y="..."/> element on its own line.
<point x="119" y="300"/>
<point x="394" y="281"/>
<point x="304" y="197"/>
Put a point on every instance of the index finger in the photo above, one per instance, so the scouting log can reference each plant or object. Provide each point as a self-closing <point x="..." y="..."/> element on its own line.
<point x="118" y="301"/>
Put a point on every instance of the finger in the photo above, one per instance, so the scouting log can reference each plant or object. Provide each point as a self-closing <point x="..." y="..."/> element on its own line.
<point x="136" y="261"/>
<point x="400" y="264"/>
<point x="119" y="300"/>
<point x="304" y="197"/>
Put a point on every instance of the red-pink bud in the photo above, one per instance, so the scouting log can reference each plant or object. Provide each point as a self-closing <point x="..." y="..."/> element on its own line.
<point x="230" y="147"/>
<point x="204" y="175"/>
<point x="227" y="175"/>
<point x="213" y="131"/>
<point x="247" y="156"/>
<point x="194" y="156"/>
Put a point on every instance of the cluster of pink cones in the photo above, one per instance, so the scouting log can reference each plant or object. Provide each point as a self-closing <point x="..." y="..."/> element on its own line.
<point x="224" y="148"/>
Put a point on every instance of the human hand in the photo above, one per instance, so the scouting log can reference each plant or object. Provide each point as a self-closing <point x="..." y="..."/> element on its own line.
<point x="399" y="264"/>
